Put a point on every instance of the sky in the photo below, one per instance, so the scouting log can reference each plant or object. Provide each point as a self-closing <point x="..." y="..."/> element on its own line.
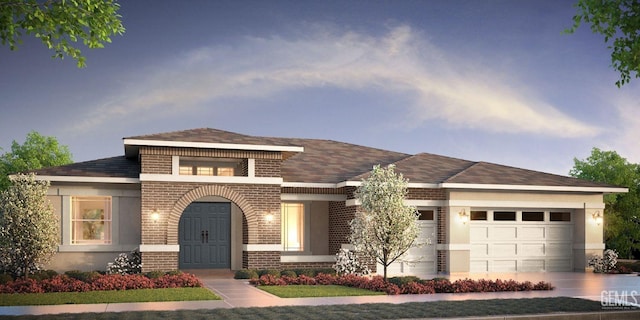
<point x="494" y="81"/>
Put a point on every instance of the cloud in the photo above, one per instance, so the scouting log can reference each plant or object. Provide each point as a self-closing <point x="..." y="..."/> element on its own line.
<point x="401" y="63"/>
<point x="624" y="139"/>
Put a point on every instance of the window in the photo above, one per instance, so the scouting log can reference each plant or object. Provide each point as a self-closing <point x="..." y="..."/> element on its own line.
<point x="479" y="215"/>
<point x="532" y="216"/>
<point x="292" y="215"/>
<point x="425" y="214"/>
<point x="91" y="220"/>
<point x="207" y="167"/>
<point x="504" y="216"/>
<point x="560" y="216"/>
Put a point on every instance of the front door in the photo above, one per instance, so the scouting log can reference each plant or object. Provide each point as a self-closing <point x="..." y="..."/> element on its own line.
<point x="205" y="240"/>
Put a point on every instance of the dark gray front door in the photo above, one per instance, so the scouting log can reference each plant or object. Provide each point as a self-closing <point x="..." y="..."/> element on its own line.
<point x="205" y="240"/>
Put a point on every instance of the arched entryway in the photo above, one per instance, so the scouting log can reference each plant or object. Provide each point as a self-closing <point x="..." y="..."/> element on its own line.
<point x="204" y="236"/>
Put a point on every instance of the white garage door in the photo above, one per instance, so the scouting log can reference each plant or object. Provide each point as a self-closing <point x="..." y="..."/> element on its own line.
<point x="423" y="258"/>
<point x="517" y="241"/>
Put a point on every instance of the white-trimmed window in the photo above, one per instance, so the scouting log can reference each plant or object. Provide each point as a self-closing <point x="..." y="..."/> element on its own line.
<point x="207" y="167"/>
<point x="292" y="221"/>
<point x="91" y="220"/>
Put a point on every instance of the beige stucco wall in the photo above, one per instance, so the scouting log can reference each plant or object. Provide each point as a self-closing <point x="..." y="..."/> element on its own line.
<point x="542" y="197"/>
<point x="126" y="226"/>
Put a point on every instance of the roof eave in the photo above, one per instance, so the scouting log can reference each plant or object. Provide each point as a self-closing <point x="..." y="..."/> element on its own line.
<point x="131" y="146"/>
<point x="596" y="189"/>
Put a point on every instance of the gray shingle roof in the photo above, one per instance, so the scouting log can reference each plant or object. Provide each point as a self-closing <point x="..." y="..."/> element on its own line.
<point x="116" y="167"/>
<point x="327" y="161"/>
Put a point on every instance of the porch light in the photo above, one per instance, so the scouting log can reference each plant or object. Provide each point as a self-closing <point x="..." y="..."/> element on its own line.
<point x="597" y="217"/>
<point x="268" y="217"/>
<point x="463" y="216"/>
<point x="155" y="216"/>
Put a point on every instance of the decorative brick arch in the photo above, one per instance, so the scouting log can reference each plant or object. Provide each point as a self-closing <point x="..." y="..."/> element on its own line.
<point x="204" y="191"/>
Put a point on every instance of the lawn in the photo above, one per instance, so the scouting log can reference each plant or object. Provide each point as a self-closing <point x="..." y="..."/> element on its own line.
<point x="436" y="309"/>
<point x="304" y="291"/>
<point x="142" y="295"/>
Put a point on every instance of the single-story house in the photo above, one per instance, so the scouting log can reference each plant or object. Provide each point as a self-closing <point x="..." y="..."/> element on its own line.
<point x="207" y="198"/>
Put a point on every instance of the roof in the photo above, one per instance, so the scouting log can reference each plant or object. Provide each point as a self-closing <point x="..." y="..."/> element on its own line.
<point x="115" y="167"/>
<point x="330" y="162"/>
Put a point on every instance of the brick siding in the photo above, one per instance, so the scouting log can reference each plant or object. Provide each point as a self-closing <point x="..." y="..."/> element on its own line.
<point x="339" y="230"/>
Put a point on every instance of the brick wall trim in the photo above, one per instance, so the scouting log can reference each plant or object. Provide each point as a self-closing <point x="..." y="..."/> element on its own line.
<point x="209" y="190"/>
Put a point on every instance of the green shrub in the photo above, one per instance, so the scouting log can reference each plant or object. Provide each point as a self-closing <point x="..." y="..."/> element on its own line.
<point x="288" y="273"/>
<point x="84" y="276"/>
<point x="306" y="272"/>
<point x="154" y="274"/>
<point x="5" y="278"/>
<point x="174" y="272"/>
<point x="43" y="274"/>
<point x="273" y="272"/>
<point x="401" y="281"/>
<point x="330" y="271"/>
<point x="246" y="274"/>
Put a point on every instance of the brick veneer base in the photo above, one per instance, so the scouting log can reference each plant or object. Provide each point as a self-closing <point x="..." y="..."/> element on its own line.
<point x="159" y="261"/>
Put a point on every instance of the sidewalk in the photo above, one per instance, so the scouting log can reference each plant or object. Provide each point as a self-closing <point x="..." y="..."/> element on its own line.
<point x="238" y="293"/>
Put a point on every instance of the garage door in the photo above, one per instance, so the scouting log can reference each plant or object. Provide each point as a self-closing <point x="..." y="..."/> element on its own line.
<point x="521" y="241"/>
<point x="423" y="258"/>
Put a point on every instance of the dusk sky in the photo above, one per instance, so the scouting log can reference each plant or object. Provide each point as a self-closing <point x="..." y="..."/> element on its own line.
<point x="494" y="81"/>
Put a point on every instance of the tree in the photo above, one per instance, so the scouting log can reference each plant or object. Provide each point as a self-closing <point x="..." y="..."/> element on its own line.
<point x="617" y="20"/>
<point x="28" y="226"/>
<point x="37" y="152"/>
<point x="60" y="23"/>
<point x="622" y="210"/>
<point x="384" y="227"/>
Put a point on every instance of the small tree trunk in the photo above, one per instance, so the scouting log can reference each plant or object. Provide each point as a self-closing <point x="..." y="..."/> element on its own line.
<point x="385" y="273"/>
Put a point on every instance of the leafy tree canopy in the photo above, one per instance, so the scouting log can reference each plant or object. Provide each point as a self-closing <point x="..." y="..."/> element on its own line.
<point x="60" y="23"/>
<point x="37" y="152"/>
<point x="619" y="22"/>
<point x="384" y="227"/>
<point x="29" y="229"/>
<point x="622" y="210"/>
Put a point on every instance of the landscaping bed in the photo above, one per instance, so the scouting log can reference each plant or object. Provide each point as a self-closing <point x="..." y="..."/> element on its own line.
<point x="76" y="281"/>
<point x="403" y="285"/>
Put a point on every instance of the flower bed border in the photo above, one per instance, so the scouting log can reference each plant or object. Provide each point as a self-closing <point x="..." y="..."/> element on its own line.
<point x="64" y="283"/>
<point x="377" y="283"/>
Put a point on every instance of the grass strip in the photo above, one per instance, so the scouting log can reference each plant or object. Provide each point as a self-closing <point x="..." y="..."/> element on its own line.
<point x="305" y="291"/>
<point x="435" y="309"/>
<point x="142" y="295"/>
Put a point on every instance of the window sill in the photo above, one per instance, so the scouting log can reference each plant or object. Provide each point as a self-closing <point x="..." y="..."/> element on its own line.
<point x="96" y="248"/>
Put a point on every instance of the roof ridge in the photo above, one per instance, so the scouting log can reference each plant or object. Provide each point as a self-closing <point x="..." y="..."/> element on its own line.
<point x="473" y="164"/>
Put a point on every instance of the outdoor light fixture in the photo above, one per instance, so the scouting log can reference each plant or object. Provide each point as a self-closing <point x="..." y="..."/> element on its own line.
<point x="268" y="217"/>
<point x="597" y="217"/>
<point x="155" y="216"/>
<point x="464" y="217"/>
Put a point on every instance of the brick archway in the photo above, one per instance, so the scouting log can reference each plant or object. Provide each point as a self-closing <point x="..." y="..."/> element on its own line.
<point x="204" y="191"/>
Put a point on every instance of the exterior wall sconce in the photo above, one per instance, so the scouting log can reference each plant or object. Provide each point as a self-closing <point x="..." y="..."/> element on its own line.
<point x="268" y="217"/>
<point x="155" y="215"/>
<point x="463" y="216"/>
<point x="597" y="217"/>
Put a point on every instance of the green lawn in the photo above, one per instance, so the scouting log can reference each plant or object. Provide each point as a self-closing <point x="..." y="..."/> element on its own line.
<point x="303" y="291"/>
<point x="143" y="295"/>
<point x="436" y="309"/>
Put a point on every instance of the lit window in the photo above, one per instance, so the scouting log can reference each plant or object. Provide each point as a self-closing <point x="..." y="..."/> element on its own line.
<point x="91" y="220"/>
<point x="292" y="215"/>
<point x="204" y="171"/>
<point x="222" y="171"/>
<point x="186" y="170"/>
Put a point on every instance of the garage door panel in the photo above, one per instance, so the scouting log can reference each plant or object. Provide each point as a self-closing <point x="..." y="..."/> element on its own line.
<point x="560" y="233"/>
<point x="532" y="233"/>
<point x="479" y="265"/>
<point x="521" y="246"/>
<point x="532" y="249"/>
<point x="504" y="250"/>
<point x="504" y="265"/>
<point x="418" y="260"/>
<point x="504" y="233"/>
<point x="479" y="233"/>
<point x="530" y="265"/>
<point x="479" y="250"/>
<point x="559" y="249"/>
